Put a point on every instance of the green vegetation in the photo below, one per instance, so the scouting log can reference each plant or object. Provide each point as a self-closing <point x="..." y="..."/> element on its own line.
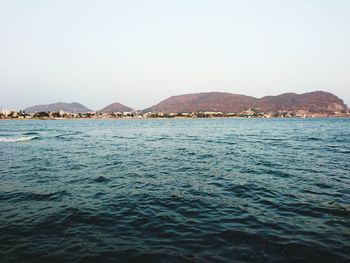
<point x="40" y="115"/>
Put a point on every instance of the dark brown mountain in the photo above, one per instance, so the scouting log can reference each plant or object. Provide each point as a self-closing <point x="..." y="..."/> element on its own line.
<point x="318" y="101"/>
<point x="116" y="107"/>
<point x="73" y="107"/>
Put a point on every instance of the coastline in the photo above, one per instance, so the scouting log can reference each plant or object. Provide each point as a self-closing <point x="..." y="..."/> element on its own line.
<point x="173" y="118"/>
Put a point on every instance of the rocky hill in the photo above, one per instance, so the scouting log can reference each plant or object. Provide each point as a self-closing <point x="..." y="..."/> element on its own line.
<point x="73" y="107"/>
<point x="318" y="101"/>
<point x="116" y="107"/>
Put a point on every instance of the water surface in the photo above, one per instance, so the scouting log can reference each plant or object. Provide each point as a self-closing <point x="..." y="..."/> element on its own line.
<point x="217" y="190"/>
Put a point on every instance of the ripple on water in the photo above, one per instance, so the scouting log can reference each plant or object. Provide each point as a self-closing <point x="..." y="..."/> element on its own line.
<point x="101" y="179"/>
<point x="30" y="196"/>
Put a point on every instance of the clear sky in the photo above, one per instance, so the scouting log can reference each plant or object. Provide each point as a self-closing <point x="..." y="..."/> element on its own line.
<point x="140" y="52"/>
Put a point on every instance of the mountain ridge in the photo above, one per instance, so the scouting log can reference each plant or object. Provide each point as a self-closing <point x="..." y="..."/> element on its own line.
<point x="316" y="101"/>
<point x="313" y="102"/>
<point x="116" y="107"/>
<point x="73" y="107"/>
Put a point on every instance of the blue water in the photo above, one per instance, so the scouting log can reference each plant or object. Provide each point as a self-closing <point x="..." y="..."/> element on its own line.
<point x="217" y="190"/>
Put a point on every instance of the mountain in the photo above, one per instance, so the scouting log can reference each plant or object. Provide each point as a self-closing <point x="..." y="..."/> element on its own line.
<point x="318" y="101"/>
<point x="73" y="107"/>
<point x="116" y="107"/>
<point x="211" y="101"/>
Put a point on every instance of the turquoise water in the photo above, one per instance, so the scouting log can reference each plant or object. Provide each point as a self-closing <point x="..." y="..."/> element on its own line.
<point x="214" y="190"/>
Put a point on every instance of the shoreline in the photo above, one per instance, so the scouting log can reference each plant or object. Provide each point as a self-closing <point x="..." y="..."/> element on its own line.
<point x="175" y="118"/>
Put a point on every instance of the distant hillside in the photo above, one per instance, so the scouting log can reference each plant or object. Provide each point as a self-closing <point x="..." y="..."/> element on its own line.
<point x="212" y="101"/>
<point x="115" y="107"/>
<point x="73" y="107"/>
<point x="318" y="101"/>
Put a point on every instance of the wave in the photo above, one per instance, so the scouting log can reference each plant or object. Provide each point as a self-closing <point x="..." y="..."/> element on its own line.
<point x="30" y="133"/>
<point x="18" y="139"/>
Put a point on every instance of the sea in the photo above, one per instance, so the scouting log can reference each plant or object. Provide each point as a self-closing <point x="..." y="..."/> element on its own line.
<point x="175" y="190"/>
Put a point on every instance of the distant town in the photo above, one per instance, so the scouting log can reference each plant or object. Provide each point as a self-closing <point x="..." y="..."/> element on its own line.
<point x="249" y="113"/>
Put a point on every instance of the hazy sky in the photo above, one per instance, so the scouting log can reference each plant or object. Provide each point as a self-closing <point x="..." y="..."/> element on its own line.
<point x="140" y="52"/>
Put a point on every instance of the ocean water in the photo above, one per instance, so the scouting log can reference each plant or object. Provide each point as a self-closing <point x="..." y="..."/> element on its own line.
<point x="215" y="190"/>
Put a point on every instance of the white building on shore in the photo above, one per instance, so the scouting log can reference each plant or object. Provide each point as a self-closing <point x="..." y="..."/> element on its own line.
<point x="7" y="112"/>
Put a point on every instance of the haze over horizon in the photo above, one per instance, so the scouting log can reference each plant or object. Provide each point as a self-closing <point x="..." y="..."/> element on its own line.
<point x="139" y="53"/>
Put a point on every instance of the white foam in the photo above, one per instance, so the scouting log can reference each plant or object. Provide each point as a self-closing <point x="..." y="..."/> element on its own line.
<point x="17" y="139"/>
